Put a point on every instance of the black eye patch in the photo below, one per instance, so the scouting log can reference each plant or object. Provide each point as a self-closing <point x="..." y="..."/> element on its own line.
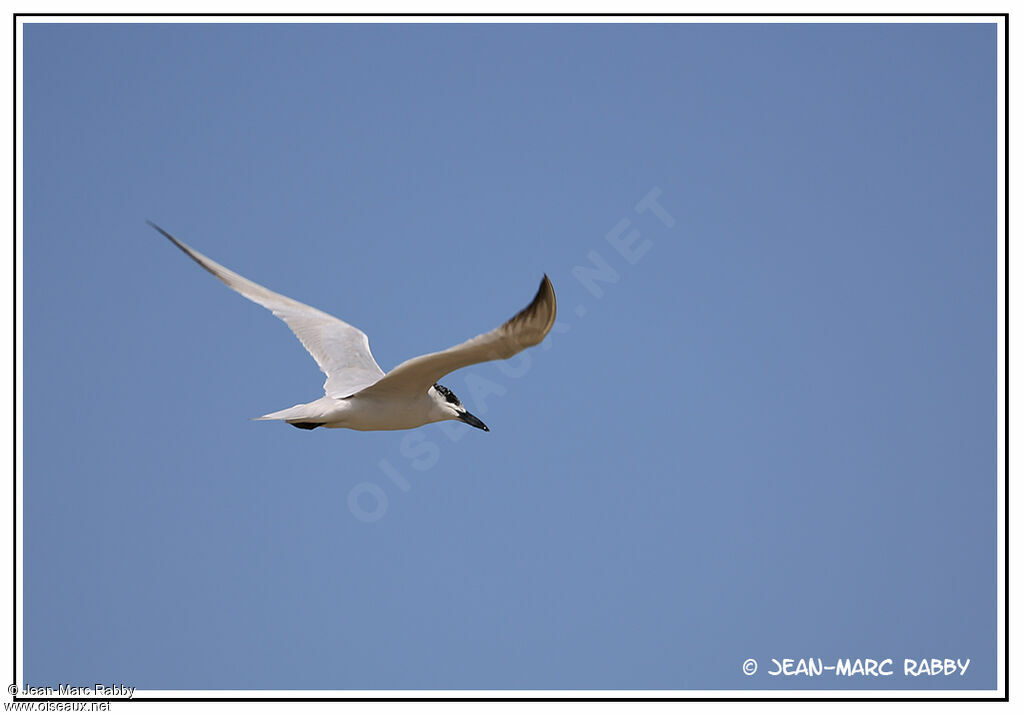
<point x="448" y="394"/>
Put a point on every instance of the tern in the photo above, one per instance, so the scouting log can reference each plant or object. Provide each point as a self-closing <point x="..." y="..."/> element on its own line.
<point x="357" y="393"/>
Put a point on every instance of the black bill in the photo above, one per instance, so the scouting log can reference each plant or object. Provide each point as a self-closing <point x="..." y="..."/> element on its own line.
<point x="467" y="417"/>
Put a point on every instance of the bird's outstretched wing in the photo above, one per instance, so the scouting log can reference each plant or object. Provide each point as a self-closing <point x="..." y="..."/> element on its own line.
<point x="525" y="329"/>
<point x="341" y="350"/>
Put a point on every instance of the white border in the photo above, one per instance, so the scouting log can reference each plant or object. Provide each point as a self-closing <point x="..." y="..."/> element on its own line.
<point x="639" y="694"/>
<point x="1001" y="357"/>
<point x="470" y="19"/>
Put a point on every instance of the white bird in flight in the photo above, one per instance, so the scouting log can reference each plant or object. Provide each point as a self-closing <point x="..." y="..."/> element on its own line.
<point x="357" y="393"/>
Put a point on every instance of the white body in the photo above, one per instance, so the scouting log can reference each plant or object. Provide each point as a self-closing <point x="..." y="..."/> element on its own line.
<point x="367" y="413"/>
<point x="357" y="393"/>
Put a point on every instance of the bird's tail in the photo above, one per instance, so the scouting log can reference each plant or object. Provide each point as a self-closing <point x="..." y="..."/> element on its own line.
<point x="295" y="413"/>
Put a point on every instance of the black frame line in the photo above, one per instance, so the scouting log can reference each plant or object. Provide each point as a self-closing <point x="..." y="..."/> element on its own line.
<point x="788" y="698"/>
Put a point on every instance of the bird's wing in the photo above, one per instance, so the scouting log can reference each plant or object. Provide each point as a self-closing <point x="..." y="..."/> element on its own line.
<point x="525" y="329"/>
<point x="342" y="351"/>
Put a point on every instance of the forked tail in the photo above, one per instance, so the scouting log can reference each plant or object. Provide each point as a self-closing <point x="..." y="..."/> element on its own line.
<point x="303" y="415"/>
<point x="308" y="412"/>
<point x="299" y="416"/>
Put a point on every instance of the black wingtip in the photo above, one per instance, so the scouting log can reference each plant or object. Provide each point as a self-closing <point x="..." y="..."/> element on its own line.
<point x="546" y="293"/>
<point x="546" y="282"/>
<point x="161" y="230"/>
<point x="180" y="245"/>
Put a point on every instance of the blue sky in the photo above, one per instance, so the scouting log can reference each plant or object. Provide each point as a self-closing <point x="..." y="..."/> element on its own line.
<point x="771" y="434"/>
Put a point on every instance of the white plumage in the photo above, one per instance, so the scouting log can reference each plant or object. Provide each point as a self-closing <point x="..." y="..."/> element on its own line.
<point x="357" y="393"/>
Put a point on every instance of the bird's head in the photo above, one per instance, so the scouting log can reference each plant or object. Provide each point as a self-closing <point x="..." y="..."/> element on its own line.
<point x="452" y="409"/>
